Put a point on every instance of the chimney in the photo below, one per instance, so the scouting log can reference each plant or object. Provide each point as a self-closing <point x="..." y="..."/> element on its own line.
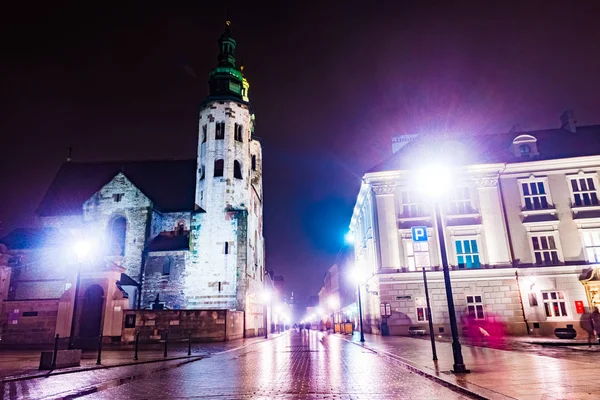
<point x="567" y="121"/>
<point x="398" y="142"/>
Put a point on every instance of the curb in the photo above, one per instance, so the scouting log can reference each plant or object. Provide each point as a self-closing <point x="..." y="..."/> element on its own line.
<point x="128" y="364"/>
<point x="476" y="392"/>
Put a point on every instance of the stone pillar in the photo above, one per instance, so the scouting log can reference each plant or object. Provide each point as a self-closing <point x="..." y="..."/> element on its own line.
<point x="492" y="220"/>
<point x="388" y="226"/>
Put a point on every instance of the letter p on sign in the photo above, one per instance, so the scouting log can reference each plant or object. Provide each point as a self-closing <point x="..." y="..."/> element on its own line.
<point x="419" y="233"/>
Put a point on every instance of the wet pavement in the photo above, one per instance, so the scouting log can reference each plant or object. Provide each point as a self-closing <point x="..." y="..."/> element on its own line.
<point x="293" y="366"/>
<point x="533" y="373"/>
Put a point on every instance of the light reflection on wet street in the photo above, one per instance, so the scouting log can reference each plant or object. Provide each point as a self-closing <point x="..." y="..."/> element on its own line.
<point x="299" y="365"/>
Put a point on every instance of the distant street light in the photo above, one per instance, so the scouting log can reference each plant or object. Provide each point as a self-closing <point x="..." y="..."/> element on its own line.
<point x="435" y="182"/>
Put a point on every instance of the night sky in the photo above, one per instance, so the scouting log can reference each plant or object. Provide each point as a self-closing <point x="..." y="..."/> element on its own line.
<point x="331" y="82"/>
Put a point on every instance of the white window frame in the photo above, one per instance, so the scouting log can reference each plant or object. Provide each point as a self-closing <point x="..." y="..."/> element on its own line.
<point x="595" y="248"/>
<point x="550" y="301"/>
<point x="466" y="204"/>
<point x="528" y="181"/>
<point x="475" y="303"/>
<point x="409" y="248"/>
<point x="557" y="243"/>
<point x="421" y="303"/>
<point x="416" y="201"/>
<point x="584" y="175"/>
<point x="469" y="238"/>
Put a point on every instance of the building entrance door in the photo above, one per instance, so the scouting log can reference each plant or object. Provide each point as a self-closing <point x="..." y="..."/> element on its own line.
<point x="91" y="314"/>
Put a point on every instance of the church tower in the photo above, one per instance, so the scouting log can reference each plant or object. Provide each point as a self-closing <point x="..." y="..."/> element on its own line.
<point x="227" y="247"/>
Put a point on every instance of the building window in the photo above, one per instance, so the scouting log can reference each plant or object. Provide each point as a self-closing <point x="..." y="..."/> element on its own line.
<point x="584" y="191"/>
<point x="412" y="205"/>
<point x="417" y="255"/>
<point x="535" y="195"/>
<point x="226" y="249"/>
<point x="166" y="268"/>
<point x="467" y="253"/>
<point x="219" y="166"/>
<point x="253" y="163"/>
<point x="180" y="229"/>
<point x="525" y="150"/>
<point x="237" y="170"/>
<point x="204" y="129"/>
<point x="220" y="130"/>
<point x="460" y="201"/>
<point x="117" y="197"/>
<point x="421" y="309"/>
<point x="545" y="250"/>
<point x="118" y="229"/>
<point x="238" y="132"/>
<point x="475" y="307"/>
<point x="591" y="243"/>
<point x="554" y="304"/>
<point x="202" y="172"/>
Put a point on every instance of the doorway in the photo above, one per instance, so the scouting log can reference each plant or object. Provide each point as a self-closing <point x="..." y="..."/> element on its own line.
<point x="91" y="313"/>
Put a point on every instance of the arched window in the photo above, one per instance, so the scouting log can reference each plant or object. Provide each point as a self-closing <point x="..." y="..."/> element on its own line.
<point x="166" y="268"/>
<point x="237" y="170"/>
<point x="220" y="130"/>
<point x="525" y="150"/>
<point x="254" y="163"/>
<point x="238" y="132"/>
<point x="219" y="165"/>
<point x="118" y="229"/>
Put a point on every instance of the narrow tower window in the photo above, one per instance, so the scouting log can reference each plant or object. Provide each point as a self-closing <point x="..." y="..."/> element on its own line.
<point x="253" y="163"/>
<point x="237" y="170"/>
<point x="202" y="172"/>
<point x="238" y="132"/>
<point x="118" y="228"/>
<point x="219" y="164"/>
<point x="220" y="130"/>
<point x="166" y="269"/>
<point x="226" y="247"/>
<point x="203" y="133"/>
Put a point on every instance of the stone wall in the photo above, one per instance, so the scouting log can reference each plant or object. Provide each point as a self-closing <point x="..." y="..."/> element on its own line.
<point x="170" y="288"/>
<point x="29" y="322"/>
<point x="204" y="325"/>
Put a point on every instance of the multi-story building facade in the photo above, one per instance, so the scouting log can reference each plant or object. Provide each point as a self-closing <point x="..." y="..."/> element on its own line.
<point x="521" y="224"/>
<point x="175" y="234"/>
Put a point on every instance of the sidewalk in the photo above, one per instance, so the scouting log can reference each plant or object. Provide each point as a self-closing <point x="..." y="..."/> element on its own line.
<point x="24" y="364"/>
<point x="496" y="374"/>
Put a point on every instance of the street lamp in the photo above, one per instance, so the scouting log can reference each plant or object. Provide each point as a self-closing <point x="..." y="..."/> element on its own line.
<point x="82" y="250"/>
<point x="266" y="296"/>
<point x="358" y="276"/>
<point x="434" y="182"/>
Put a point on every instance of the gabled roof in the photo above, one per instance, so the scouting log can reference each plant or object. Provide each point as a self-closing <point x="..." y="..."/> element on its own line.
<point x="31" y="238"/>
<point x="494" y="148"/>
<point x="169" y="184"/>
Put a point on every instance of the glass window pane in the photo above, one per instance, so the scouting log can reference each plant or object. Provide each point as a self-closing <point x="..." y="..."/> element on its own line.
<point x="561" y="295"/>
<point x="586" y="199"/>
<point x="459" y="247"/>
<point x="467" y="245"/>
<point x="478" y="299"/>
<point x="544" y="202"/>
<point x="553" y="295"/>
<point x="563" y="309"/>
<point x="578" y="201"/>
<point x="536" y="242"/>
<point x="547" y="309"/>
<point x="476" y="263"/>
<point x="583" y="185"/>
<point x="533" y="187"/>
<point x="461" y="261"/>
<point x="474" y="246"/>
<point x="547" y="257"/>
<point x="545" y="296"/>
<point x="541" y="188"/>
<point x="574" y="185"/>
<point x="480" y="312"/>
<point x="594" y="198"/>
<point x="551" y="242"/>
<point x="528" y="204"/>
<point x="591" y="185"/>
<point x="538" y="258"/>
<point x="555" y="258"/>
<point x="536" y="203"/>
<point x="525" y="189"/>
<point x="544" y="242"/>
<point x="469" y="299"/>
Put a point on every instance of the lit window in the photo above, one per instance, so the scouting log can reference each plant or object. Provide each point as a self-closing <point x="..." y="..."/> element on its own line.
<point x="591" y="242"/>
<point x="467" y="253"/>
<point x="237" y="170"/>
<point x="421" y="309"/>
<point x="475" y="307"/>
<point x="417" y="255"/>
<point x="460" y="201"/>
<point x="545" y="250"/>
<point x="220" y="130"/>
<point x="412" y="205"/>
<point x="535" y="195"/>
<point x="219" y="165"/>
<point x="584" y="191"/>
<point x="554" y="304"/>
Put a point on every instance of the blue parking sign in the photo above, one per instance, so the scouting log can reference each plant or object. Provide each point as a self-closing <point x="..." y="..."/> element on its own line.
<point x="419" y="233"/>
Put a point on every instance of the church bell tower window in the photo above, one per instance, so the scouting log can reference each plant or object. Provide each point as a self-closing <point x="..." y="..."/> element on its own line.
<point x="204" y="133"/>
<point x="219" y="166"/>
<point x="237" y="170"/>
<point x="238" y="132"/>
<point x="220" y="131"/>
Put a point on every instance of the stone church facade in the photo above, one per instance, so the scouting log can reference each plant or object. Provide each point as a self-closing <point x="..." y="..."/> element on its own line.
<point x="174" y="234"/>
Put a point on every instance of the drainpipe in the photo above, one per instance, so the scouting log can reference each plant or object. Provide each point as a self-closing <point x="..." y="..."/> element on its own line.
<point x="511" y="250"/>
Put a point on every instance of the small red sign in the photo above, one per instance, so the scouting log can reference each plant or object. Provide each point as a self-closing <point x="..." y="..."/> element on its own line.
<point x="579" y="307"/>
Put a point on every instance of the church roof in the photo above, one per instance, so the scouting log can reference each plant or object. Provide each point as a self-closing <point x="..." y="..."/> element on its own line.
<point x="494" y="148"/>
<point x="169" y="184"/>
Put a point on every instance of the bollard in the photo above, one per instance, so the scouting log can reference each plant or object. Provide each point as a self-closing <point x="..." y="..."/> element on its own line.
<point x="99" y="360"/>
<point x="190" y="344"/>
<point x="55" y="352"/>
<point x="137" y="341"/>
<point x="166" y="341"/>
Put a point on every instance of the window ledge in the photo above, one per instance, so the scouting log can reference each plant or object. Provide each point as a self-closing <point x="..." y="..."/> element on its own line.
<point x="577" y="209"/>
<point x="470" y="215"/>
<point x="541" y="211"/>
<point x="402" y="219"/>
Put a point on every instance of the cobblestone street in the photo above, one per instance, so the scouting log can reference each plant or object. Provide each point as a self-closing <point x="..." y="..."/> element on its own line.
<point x="294" y="366"/>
